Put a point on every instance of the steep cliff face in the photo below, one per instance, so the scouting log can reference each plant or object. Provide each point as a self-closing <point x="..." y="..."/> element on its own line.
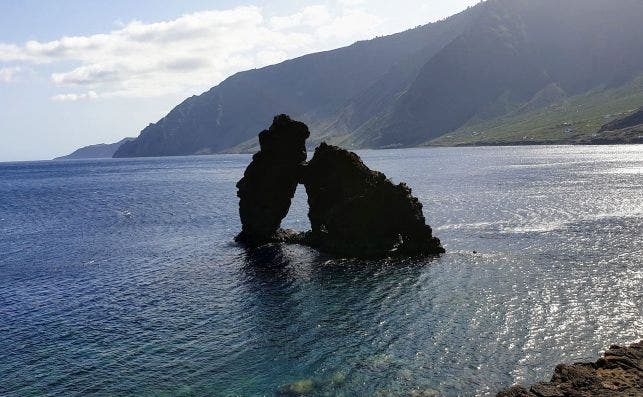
<point x="315" y="88"/>
<point x="513" y="50"/>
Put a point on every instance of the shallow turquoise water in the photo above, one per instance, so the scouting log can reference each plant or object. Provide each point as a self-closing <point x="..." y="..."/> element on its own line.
<point x="120" y="278"/>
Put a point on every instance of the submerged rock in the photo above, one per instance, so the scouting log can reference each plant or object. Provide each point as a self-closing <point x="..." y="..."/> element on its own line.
<point x="423" y="393"/>
<point x="302" y="387"/>
<point x="269" y="183"/>
<point x="618" y="373"/>
<point x="338" y="379"/>
<point x="353" y="211"/>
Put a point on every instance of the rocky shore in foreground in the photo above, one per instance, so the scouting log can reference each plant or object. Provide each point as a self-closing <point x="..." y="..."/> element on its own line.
<point x="618" y="373"/>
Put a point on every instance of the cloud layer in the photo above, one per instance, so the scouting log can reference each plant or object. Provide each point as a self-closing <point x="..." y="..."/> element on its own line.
<point x="192" y="52"/>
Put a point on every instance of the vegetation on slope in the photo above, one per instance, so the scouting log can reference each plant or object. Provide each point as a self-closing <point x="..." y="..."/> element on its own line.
<point x="576" y="119"/>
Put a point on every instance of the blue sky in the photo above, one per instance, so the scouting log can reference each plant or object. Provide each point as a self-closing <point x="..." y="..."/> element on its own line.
<point x="74" y="73"/>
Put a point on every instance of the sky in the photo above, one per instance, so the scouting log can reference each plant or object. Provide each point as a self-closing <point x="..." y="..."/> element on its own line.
<point x="80" y="72"/>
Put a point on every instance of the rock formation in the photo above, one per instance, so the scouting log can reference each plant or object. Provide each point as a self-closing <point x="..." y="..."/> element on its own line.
<point x="356" y="212"/>
<point x="353" y="211"/>
<point x="627" y="129"/>
<point x="633" y="120"/>
<point x="269" y="183"/>
<point x="618" y="373"/>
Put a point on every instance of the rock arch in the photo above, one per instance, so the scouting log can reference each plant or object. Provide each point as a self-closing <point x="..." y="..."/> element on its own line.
<point x="353" y="211"/>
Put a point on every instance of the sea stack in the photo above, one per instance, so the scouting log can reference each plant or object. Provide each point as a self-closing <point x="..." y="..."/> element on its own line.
<point x="354" y="212"/>
<point x="269" y="183"/>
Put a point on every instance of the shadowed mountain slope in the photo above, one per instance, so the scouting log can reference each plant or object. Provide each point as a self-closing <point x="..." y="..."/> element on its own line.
<point x="315" y="88"/>
<point x="497" y="58"/>
<point x="514" y="50"/>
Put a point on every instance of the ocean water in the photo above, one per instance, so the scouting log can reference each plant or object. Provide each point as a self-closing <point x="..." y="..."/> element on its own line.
<point x="121" y="278"/>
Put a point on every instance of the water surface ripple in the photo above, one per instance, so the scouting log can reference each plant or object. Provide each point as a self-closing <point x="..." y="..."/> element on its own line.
<point x="120" y="278"/>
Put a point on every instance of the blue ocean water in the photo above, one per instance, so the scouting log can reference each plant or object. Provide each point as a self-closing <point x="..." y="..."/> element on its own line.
<point x="121" y="278"/>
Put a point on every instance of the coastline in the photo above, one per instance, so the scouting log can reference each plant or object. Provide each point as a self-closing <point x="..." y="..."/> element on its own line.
<point x="618" y="373"/>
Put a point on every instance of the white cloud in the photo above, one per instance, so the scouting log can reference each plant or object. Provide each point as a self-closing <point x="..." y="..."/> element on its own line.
<point x="351" y="3"/>
<point x="8" y="74"/>
<point x="74" y="97"/>
<point x="351" y="23"/>
<point x="313" y="16"/>
<point x="90" y="74"/>
<point x="189" y="53"/>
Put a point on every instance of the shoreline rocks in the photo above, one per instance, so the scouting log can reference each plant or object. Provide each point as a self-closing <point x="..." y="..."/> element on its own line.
<point x="618" y="373"/>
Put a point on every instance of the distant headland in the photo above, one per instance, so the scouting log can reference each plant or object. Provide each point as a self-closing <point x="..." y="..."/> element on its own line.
<point x="98" y="151"/>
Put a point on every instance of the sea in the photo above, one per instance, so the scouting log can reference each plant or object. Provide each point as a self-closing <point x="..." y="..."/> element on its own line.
<point x="121" y="277"/>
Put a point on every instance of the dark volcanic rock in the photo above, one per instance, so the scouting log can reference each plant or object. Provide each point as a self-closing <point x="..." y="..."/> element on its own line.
<point x="627" y="129"/>
<point x="270" y="181"/>
<point x="353" y="211"/>
<point x="356" y="212"/>
<point x="632" y="120"/>
<point x="618" y="373"/>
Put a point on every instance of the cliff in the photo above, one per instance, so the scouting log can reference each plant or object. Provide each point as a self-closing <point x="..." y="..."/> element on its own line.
<point x="499" y="59"/>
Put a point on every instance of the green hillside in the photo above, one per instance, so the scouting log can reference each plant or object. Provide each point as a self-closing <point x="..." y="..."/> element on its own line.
<point x="575" y="119"/>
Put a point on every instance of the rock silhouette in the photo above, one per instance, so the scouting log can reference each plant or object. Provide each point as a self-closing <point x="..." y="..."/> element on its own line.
<point x="353" y="211"/>
<point x="269" y="183"/>
<point x="357" y="212"/>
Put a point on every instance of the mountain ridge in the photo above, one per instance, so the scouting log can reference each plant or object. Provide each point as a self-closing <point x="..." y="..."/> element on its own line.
<point x="409" y="88"/>
<point x="212" y="134"/>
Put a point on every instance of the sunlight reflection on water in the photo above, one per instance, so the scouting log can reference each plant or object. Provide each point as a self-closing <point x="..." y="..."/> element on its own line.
<point x="120" y="277"/>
